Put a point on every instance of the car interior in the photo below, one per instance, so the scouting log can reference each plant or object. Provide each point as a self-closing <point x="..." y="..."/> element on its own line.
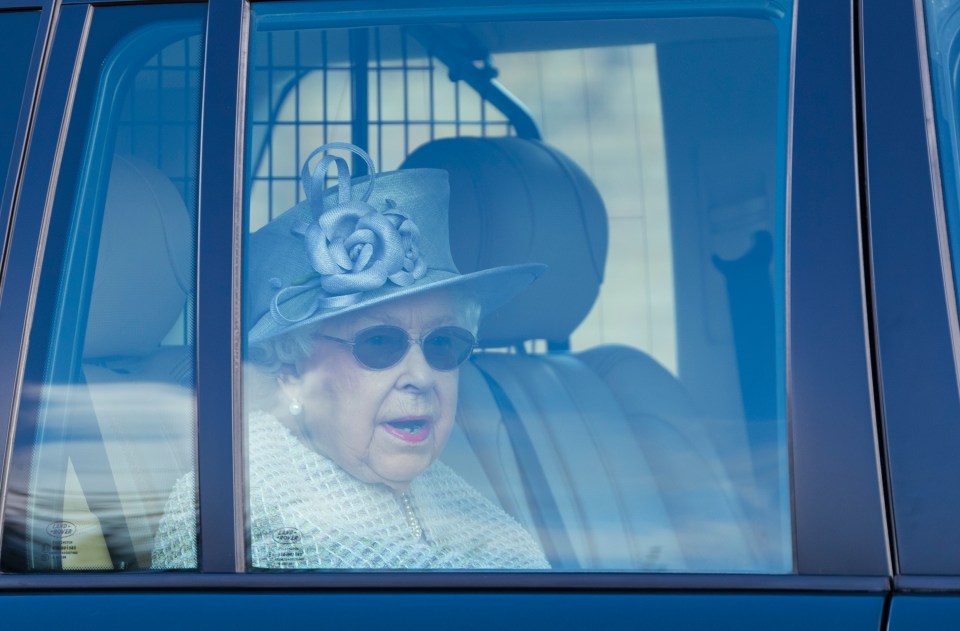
<point x="616" y="455"/>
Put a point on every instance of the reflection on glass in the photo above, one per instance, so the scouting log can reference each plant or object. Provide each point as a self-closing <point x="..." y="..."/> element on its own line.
<point x="17" y="33"/>
<point x="106" y="419"/>
<point x="943" y="27"/>
<point x="626" y="410"/>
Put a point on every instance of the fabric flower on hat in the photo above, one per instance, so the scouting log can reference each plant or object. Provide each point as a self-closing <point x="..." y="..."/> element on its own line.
<point x="355" y="248"/>
<point x="414" y="267"/>
<point x="352" y="247"/>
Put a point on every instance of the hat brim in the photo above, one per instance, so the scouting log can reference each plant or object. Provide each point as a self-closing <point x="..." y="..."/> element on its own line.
<point x="492" y="288"/>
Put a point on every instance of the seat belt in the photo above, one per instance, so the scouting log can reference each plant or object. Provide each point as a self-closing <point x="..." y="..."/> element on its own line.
<point x="544" y="509"/>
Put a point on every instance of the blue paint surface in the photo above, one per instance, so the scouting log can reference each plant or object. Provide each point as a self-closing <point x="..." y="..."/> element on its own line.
<point x="465" y="612"/>
<point x="924" y="613"/>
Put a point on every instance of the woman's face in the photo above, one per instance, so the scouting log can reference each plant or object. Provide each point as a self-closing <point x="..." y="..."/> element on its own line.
<point x="381" y="426"/>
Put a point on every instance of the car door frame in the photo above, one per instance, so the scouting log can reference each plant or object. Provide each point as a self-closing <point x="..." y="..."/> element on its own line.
<point x="839" y="510"/>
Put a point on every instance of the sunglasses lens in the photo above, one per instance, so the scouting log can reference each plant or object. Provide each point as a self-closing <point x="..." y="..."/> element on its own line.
<point x="448" y="347"/>
<point x="380" y="347"/>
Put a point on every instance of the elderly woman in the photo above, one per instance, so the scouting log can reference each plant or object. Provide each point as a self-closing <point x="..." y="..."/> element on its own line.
<point x="359" y="321"/>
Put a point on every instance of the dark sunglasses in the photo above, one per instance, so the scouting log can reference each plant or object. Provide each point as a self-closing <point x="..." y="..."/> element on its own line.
<point x="383" y="346"/>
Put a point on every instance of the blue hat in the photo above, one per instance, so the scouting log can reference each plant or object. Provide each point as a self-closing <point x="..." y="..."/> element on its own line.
<point x="364" y="242"/>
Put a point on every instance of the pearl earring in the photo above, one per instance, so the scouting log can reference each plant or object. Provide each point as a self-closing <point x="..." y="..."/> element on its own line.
<point x="296" y="408"/>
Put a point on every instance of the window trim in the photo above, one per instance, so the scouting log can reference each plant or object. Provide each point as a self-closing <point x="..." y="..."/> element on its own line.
<point x="445" y="581"/>
<point x="31" y="216"/>
<point x="25" y="118"/>
<point x="218" y="348"/>
<point x="839" y="503"/>
<point x="915" y="302"/>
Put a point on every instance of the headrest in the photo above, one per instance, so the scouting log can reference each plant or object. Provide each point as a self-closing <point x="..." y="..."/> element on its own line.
<point x="514" y="200"/>
<point x="144" y="264"/>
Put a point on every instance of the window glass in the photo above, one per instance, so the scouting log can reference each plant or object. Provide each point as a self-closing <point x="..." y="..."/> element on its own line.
<point x="18" y="30"/>
<point x="554" y="338"/>
<point x="943" y="47"/>
<point x="106" y="424"/>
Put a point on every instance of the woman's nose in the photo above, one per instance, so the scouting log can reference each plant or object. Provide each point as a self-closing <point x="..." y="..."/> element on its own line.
<point x="416" y="372"/>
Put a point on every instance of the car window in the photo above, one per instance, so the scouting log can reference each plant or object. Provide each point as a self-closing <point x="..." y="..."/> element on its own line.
<point x="596" y="209"/>
<point x="18" y="30"/>
<point x="942" y="21"/>
<point x="105" y="423"/>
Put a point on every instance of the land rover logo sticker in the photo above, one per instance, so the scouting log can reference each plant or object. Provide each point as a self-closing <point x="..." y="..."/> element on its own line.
<point x="289" y="551"/>
<point x="62" y="545"/>
<point x="287" y="536"/>
<point x="61" y="529"/>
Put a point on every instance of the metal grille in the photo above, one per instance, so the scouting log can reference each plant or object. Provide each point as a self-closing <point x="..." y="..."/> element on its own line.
<point x="158" y="122"/>
<point x="378" y="88"/>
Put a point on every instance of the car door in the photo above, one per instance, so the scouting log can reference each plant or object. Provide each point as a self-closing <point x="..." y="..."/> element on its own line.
<point x="738" y="278"/>
<point x="912" y="173"/>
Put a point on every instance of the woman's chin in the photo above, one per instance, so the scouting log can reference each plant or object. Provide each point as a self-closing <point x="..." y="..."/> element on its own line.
<point x="398" y="453"/>
<point x="398" y="470"/>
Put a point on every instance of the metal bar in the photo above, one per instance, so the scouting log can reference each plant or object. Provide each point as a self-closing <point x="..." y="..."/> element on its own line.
<point x="359" y="95"/>
<point x="187" y="190"/>
<point x="483" y="117"/>
<point x="456" y="107"/>
<point x="296" y="104"/>
<point x="433" y="94"/>
<point x="379" y="102"/>
<point x="406" y="95"/>
<point x="272" y="110"/>
<point x="326" y="115"/>
<point x="482" y="80"/>
<point x="218" y="318"/>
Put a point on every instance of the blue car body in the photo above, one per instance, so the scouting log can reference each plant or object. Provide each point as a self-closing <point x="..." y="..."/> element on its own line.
<point x="871" y="393"/>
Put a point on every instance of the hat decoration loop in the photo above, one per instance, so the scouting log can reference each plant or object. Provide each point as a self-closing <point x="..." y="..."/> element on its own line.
<point x="352" y="246"/>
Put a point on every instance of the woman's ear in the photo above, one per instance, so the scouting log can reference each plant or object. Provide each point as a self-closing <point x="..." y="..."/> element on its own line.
<point x="291" y="386"/>
<point x="290" y="402"/>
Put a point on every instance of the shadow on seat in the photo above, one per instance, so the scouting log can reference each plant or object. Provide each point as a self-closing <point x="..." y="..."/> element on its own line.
<point x="600" y="452"/>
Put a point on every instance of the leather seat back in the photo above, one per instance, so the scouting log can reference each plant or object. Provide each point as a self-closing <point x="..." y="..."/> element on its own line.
<point x="630" y="472"/>
<point x="141" y="389"/>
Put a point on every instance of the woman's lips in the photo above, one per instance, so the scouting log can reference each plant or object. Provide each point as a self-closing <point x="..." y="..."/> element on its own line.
<point x="409" y="430"/>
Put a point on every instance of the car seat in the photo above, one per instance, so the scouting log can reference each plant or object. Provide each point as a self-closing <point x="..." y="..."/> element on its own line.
<point x="141" y="388"/>
<point x="600" y="451"/>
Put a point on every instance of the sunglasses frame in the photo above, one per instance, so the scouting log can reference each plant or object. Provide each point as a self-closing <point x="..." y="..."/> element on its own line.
<point x="410" y="342"/>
